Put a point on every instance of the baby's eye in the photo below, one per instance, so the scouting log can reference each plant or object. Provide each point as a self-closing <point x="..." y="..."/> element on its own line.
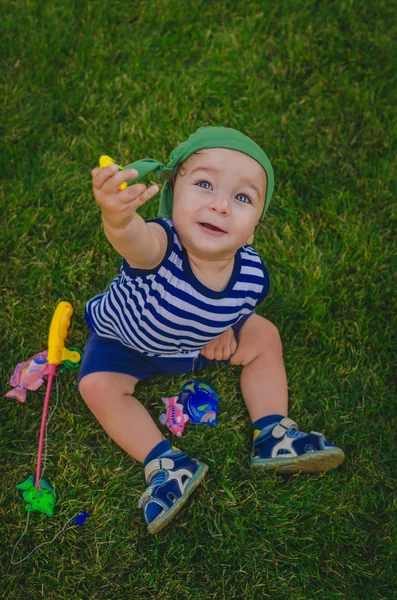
<point x="204" y="184"/>
<point x="244" y="198"/>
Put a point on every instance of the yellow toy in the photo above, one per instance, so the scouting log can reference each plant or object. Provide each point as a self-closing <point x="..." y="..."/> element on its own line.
<point x="106" y="161"/>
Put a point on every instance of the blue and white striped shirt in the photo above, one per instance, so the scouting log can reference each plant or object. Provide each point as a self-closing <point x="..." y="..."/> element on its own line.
<point x="167" y="311"/>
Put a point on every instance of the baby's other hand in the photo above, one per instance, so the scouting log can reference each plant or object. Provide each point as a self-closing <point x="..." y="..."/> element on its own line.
<point x="222" y="347"/>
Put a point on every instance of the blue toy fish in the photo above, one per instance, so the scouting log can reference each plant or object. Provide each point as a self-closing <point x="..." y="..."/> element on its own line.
<point x="200" y="402"/>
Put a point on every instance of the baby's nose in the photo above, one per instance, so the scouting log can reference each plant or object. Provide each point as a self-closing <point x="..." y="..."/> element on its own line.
<point x="220" y="203"/>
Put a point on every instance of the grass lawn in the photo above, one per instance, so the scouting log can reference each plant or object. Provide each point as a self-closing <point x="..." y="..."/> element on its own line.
<point x="312" y="83"/>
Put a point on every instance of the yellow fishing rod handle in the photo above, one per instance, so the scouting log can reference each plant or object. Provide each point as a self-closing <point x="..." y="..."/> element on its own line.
<point x="58" y="332"/>
<point x="106" y="161"/>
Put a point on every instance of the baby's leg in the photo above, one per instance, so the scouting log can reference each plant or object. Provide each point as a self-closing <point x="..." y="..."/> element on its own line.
<point x="171" y="475"/>
<point x="109" y="397"/>
<point x="263" y="380"/>
<point x="277" y="441"/>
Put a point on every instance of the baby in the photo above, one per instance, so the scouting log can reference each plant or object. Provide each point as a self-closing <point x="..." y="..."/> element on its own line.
<point x="185" y="297"/>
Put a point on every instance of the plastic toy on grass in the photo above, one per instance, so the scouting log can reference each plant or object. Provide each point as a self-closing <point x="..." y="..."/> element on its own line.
<point x="174" y="418"/>
<point x="28" y="375"/>
<point x="200" y="402"/>
<point x="37" y="493"/>
<point x="42" y="500"/>
<point x="81" y="518"/>
<point x="106" y="161"/>
<point x="197" y="403"/>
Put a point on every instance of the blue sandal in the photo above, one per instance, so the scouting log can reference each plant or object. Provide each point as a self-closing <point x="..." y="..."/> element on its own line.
<point x="285" y="448"/>
<point x="171" y="480"/>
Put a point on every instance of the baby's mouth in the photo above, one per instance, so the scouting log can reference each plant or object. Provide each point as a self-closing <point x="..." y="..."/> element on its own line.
<point x="212" y="227"/>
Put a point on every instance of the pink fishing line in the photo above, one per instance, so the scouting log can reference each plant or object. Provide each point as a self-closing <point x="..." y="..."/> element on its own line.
<point x="51" y="374"/>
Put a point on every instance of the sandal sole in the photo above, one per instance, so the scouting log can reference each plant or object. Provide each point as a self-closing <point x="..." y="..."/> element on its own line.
<point x="322" y="460"/>
<point x="162" y="521"/>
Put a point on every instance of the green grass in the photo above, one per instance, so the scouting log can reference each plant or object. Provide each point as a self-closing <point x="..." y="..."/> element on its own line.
<point x="311" y="82"/>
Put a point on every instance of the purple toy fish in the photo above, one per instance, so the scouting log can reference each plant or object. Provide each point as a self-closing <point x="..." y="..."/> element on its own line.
<point x="28" y="375"/>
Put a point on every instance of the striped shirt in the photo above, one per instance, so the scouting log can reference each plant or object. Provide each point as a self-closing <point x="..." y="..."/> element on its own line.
<point x="167" y="311"/>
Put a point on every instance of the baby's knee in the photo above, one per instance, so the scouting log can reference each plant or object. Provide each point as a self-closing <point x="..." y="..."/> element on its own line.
<point x="259" y="337"/>
<point x="97" y="388"/>
<point x="268" y="337"/>
<point x="88" y="385"/>
<point x="96" y="394"/>
<point x="91" y="388"/>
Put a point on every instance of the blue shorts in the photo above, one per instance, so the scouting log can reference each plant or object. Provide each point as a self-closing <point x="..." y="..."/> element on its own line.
<point x="102" y="354"/>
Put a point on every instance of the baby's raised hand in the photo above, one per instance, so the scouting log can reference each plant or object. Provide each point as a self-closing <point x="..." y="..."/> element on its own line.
<point x="119" y="206"/>
<point x="222" y="347"/>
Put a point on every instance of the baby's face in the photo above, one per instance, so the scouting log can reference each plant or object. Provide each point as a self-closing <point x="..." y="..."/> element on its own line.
<point x="218" y="201"/>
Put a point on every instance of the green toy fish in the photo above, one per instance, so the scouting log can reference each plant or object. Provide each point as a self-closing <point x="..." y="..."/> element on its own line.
<point x="42" y="500"/>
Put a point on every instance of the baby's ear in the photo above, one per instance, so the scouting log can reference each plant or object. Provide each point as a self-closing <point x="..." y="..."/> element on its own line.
<point x="250" y="239"/>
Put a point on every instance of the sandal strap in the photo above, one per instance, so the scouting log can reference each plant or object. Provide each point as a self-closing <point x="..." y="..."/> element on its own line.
<point x="156" y="465"/>
<point x="144" y="499"/>
<point x="284" y="425"/>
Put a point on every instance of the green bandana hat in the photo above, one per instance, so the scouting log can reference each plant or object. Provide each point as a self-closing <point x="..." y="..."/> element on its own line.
<point x="205" y="137"/>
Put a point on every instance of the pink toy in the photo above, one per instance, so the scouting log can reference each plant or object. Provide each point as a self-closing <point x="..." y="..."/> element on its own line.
<point x="174" y="418"/>
<point x="28" y="375"/>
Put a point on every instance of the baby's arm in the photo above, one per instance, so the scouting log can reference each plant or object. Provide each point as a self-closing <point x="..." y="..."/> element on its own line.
<point x="143" y="245"/>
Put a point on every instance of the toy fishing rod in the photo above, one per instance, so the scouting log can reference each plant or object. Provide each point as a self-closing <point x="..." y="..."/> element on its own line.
<point x="39" y="495"/>
<point x="57" y="352"/>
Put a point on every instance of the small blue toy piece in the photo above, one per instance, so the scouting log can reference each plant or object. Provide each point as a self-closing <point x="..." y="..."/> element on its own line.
<point x="81" y="518"/>
<point x="200" y="402"/>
